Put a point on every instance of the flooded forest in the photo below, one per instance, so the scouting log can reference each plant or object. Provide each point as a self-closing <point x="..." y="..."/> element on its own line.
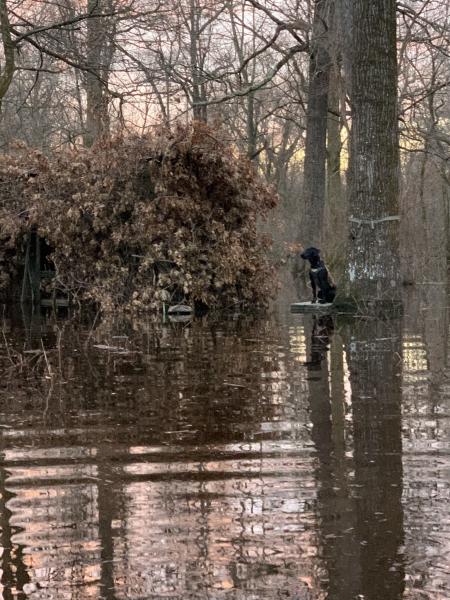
<point x="224" y="303"/>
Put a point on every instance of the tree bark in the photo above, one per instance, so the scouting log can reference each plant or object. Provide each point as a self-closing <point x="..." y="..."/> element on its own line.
<point x="248" y="101"/>
<point x="314" y="183"/>
<point x="373" y="272"/>
<point x="99" y="61"/>
<point x="8" y="49"/>
<point x="336" y="212"/>
<point x="200" y="110"/>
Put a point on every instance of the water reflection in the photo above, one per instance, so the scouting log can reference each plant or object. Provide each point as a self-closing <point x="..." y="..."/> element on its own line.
<point x="426" y="434"/>
<point x="297" y="457"/>
<point x="374" y="360"/>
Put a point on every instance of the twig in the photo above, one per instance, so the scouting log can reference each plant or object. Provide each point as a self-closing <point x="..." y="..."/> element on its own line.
<point x="49" y="368"/>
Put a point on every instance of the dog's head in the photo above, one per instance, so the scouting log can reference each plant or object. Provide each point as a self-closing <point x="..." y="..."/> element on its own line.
<point x="312" y="254"/>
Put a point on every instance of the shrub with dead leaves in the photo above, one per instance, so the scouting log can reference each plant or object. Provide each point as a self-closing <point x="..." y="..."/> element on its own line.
<point x="138" y="222"/>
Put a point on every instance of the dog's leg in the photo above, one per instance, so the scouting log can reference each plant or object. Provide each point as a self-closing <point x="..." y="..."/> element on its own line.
<point x="327" y="292"/>
<point x="331" y="295"/>
<point x="314" y="289"/>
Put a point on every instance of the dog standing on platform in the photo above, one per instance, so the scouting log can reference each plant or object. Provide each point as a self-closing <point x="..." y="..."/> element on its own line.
<point x="323" y="286"/>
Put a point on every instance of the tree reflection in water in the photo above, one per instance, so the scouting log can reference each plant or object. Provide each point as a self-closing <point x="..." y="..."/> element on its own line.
<point x="248" y="459"/>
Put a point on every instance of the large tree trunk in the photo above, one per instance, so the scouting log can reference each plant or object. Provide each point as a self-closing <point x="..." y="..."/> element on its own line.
<point x="314" y="184"/>
<point x="374" y="273"/>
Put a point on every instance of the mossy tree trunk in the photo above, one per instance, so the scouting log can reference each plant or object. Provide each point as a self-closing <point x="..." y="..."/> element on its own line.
<point x="373" y="272"/>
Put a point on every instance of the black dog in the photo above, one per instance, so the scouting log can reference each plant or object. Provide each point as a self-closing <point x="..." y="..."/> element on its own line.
<point x="322" y="284"/>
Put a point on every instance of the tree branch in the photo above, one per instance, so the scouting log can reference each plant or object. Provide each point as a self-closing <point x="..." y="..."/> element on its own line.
<point x="66" y="23"/>
<point x="257" y="86"/>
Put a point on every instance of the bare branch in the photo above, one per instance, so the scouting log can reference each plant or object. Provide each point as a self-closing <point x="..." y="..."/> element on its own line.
<point x="261" y="84"/>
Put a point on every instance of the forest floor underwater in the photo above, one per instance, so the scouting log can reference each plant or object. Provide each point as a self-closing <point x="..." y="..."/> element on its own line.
<point x="291" y="456"/>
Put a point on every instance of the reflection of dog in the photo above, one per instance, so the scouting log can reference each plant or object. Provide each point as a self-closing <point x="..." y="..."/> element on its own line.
<point x="322" y="332"/>
<point x="322" y="284"/>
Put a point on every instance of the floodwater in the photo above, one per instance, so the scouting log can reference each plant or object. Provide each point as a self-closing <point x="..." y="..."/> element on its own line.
<point x="288" y="457"/>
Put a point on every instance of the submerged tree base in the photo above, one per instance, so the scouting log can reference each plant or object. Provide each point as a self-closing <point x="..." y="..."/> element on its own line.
<point x="135" y="223"/>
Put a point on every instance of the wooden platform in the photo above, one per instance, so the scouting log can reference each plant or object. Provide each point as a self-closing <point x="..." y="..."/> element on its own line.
<point x="309" y="307"/>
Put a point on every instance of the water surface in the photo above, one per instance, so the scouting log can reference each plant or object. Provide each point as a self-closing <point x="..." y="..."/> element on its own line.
<point x="257" y="459"/>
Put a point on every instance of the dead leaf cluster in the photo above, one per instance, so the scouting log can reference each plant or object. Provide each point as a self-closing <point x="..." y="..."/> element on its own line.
<point x="141" y="221"/>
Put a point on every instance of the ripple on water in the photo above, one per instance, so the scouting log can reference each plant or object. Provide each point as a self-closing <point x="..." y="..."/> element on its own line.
<point x="249" y="461"/>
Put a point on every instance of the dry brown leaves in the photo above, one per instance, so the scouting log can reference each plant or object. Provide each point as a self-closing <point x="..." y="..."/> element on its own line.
<point x="137" y="222"/>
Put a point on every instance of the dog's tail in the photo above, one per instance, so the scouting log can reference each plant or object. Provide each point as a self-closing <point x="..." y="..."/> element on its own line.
<point x="331" y="280"/>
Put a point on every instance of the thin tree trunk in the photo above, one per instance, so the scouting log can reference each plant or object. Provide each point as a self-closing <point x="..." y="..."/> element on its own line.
<point x="314" y="184"/>
<point x="248" y="102"/>
<point x="336" y="204"/>
<point x="97" y="118"/>
<point x="374" y="273"/>
<point x="198" y="88"/>
<point x="8" y="50"/>
<point x="336" y="209"/>
<point x="252" y="128"/>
